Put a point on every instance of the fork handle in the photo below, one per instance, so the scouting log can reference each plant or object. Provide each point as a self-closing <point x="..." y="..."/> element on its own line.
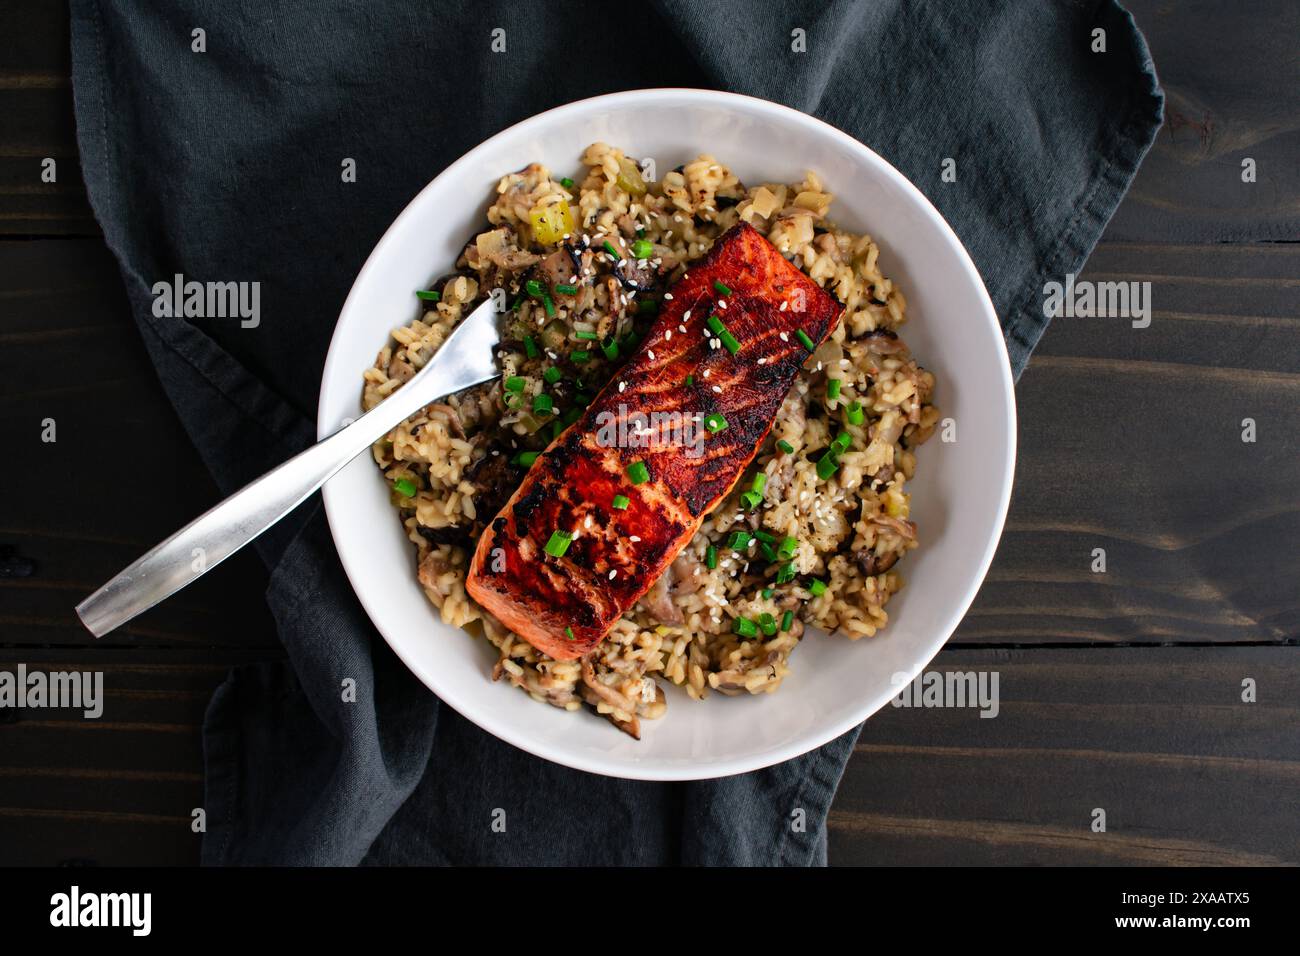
<point x="222" y="530"/>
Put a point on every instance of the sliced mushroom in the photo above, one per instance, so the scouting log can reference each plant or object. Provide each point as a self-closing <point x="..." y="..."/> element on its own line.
<point x="659" y="600"/>
<point x="873" y="564"/>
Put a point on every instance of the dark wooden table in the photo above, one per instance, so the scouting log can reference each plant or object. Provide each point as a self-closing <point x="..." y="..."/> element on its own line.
<point x="1120" y="690"/>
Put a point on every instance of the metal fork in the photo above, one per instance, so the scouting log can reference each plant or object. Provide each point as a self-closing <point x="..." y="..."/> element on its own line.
<point x="467" y="358"/>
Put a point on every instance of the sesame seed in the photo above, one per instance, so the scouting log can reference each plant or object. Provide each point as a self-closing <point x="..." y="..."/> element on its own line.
<point x="762" y="361"/>
<point x="717" y="388"/>
<point x="722" y="304"/>
<point x="622" y="386"/>
<point x="784" y="306"/>
<point x="668" y="334"/>
<point x="681" y="329"/>
<point x="686" y="317"/>
<point x="784" y="337"/>
<point x="650" y="355"/>
<point x="668" y="296"/>
<point x="613" y="574"/>
<point x="634" y="538"/>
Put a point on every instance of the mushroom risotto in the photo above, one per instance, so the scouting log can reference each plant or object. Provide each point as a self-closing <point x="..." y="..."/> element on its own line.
<point x="811" y="533"/>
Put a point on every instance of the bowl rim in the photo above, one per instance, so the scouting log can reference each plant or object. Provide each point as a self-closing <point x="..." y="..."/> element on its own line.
<point x="824" y="733"/>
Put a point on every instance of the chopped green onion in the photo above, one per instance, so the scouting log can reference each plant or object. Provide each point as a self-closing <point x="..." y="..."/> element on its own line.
<point x="729" y="340"/>
<point x="586" y="336"/>
<point x="767" y="594"/>
<point x="621" y="502"/>
<point x="817" y="587"/>
<point x="715" y="325"/>
<point x="640" y="232"/>
<point x="647" y="306"/>
<point x="565" y="289"/>
<point x="854" y="413"/>
<point x="556" y="428"/>
<point x="744" y="627"/>
<point x="759" y="483"/>
<point x="786" y="620"/>
<point x="551" y="375"/>
<point x="542" y="404"/>
<point x="571" y="416"/>
<point x="638" y="472"/>
<point x="526" y="458"/>
<point x="785" y="573"/>
<point x="515" y="308"/>
<point x="558" y="543"/>
<point x="515" y="383"/>
<point x="428" y="296"/>
<point x="610" y="349"/>
<point x="788" y="547"/>
<point x="842" y="442"/>
<point x="711" y="557"/>
<point x="530" y="347"/>
<point x="768" y="553"/>
<point x="804" y="340"/>
<point x="582" y="398"/>
<point x="642" y="248"/>
<point x="579" y="356"/>
<point x="568" y="632"/>
<point x="751" y="500"/>
<point x="785" y="446"/>
<point x="549" y="303"/>
<point x="721" y="288"/>
<point x="690" y="380"/>
<point x="534" y="288"/>
<point x="832" y="388"/>
<point x="405" y="487"/>
<point x="738" y="540"/>
<point x="715" y="423"/>
<point x="609" y="247"/>
<point x="767" y="623"/>
<point x="827" y="465"/>
<point x="566" y="182"/>
<point x="762" y="535"/>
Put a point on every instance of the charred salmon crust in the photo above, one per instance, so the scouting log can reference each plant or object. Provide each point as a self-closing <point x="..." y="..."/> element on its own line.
<point x="648" y="414"/>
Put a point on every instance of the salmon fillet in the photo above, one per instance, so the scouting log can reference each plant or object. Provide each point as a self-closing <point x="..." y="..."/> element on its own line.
<point x="649" y="417"/>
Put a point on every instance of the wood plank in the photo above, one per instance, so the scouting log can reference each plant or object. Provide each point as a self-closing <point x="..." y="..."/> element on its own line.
<point x="1232" y="88"/>
<point x="112" y="485"/>
<point x="120" y="789"/>
<point x="1158" y="737"/>
<point x="1131" y="441"/>
<point x="36" y="102"/>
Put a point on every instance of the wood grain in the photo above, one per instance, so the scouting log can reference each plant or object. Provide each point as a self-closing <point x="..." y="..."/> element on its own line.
<point x="120" y="789"/>
<point x="1186" y="772"/>
<point x="1232" y="91"/>
<point x="1131" y="441"/>
<point x="36" y="104"/>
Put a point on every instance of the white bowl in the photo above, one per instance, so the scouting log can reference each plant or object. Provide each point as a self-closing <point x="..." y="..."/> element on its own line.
<point x="960" y="494"/>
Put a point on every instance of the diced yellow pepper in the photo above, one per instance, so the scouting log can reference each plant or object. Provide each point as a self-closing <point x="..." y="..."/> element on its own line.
<point x="629" y="178"/>
<point x="551" y="223"/>
<point x="897" y="504"/>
